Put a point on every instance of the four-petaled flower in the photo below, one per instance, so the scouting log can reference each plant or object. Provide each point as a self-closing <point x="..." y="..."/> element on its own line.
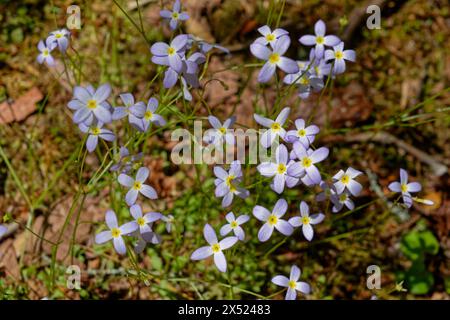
<point x="95" y="131"/>
<point x="170" y="55"/>
<point x="126" y="161"/>
<point x="150" y="116"/>
<point x="319" y="40"/>
<point x="303" y="134"/>
<point x="345" y="180"/>
<point x="44" y="55"/>
<point x="214" y="248"/>
<point x="60" y="38"/>
<point x="234" y="224"/>
<point x="143" y="222"/>
<point x="90" y="104"/>
<point x="275" y="127"/>
<point x="306" y="221"/>
<point x="292" y="283"/>
<point x="279" y="170"/>
<point x="269" y="36"/>
<point x="134" y="111"/>
<point x="339" y="55"/>
<point x="175" y="15"/>
<point x="307" y="159"/>
<point x="272" y="220"/>
<point x="274" y="58"/>
<point x="405" y="188"/>
<point x="137" y="186"/>
<point x="226" y="183"/>
<point x="115" y="232"/>
<point x="341" y="200"/>
<point x="220" y="132"/>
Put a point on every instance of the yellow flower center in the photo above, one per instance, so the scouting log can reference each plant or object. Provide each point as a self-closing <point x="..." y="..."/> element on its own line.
<point x="320" y="40"/>
<point x="170" y="51"/>
<point x="305" y="220"/>
<point x="281" y="168"/>
<point x="404" y="188"/>
<point x="292" y="284"/>
<point x="45" y="52"/>
<point x="270" y="37"/>
<point x="232" y="189"/>
<point x="92" y="104"/>
<point x="317" y="70"/>
<point x="148" y="115"/>
<point x="301" y="65"/>
<point x="338" y="55"/>
<point x="343" y="197"/>
<point x="95" y="131"/>
<point x="275" y="126"/>
<point x="175" y="15"/>
<point x="234" y="224"/>
<point x="345" y="179"/>
<point x="137" y="185"/>
<point x="274" y="58"/>
<point x="229" y="180"/>
<point x="272" y="220"/>
<point x="306" y="162"/>
<point x="222" y="130"/>
<point x="301" y="133"/>
<point x="304" y="81"/>
<point x="215" y="248"/>
<point x="141" y="221"/>
<point x="115" y="232"/>
<point x="58" y="36"/>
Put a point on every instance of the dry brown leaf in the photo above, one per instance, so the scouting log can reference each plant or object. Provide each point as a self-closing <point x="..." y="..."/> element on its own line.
<point x="21" y="108"/>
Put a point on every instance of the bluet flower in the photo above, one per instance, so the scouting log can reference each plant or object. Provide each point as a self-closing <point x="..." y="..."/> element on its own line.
<point x="319" y="40"/>
<point x="339" y="55"/>
<point x="60" y="38"/>
<point x="305" y="81"/>
<point x="126" y="161"/>
<point x="269" y="36"/>
<point x="292" y="283"/>
<point x="346" y="180"/>
<point x="305" y="135"/>
<point x="134" y="111"/>
<point x="214" y="248"/>
<point x="169" y="221"/>
<point x="405" y="188"/>
<point x="306" y="221"/>
<point x="307" y="161"/>
<point x="115" y="233"/>
<point x="272" y="220"/>
<point x="150" y="116"/>
<point x="275" y="127"/>
<point x="220" y="133"/>
<point x="44" y="53"/>
<point x="274" y="58"/>
<point x="341" y="200"/>
<point x="226" y="183"/>
<point x="175" y="15"/>
<point x="90" y="104"/>
<point x="170" y="55"/>
<point x="234" y="224"/>
<point x="137" y="186"/>
<point x="95" y="131"/>
<point x="144" y="221"/>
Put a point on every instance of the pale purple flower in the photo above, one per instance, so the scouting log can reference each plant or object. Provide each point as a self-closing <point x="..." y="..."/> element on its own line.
<point x="150" y="116"/>
<point x="274" y="58"/>
<point x="90" y="104"/>
<point x="306" y="221"/>
<point x="61" y="38"/>
<point x="169" y="221"/>
<point x="305" y="135"/>
<point x="234" y="224"/>
<point x="341" y="200"/>
<point x="272" y="220"/>
<point x="279" y="170"/>
<point x="205" y="47"/>
<point x="320" y="69"/>
<point x="44" y="53"/>
<point x="3" y="230"/>
<point x="319" y="40"/>
<point x="307" y="161"/>
<point x="170" y="55"/>
<point x="305" y="81"/>
<point x="175" y="15"/>
<point x="134" y="110"/>
<point x="269" y="36"/>
<point x="275" y="127"/>
<point x="220" y="132"/>
<point x="346" y="180"/>
<point x="326" y="191"/>
<point x="292" y="283"/>
<point x="137" y="186"/>
<point x="405" y="188"/>
<point x="144" y="221"/>
<point x="115" y="232"/>
<point x="95" y="131"/>
<point x="214" y="248"/>
<point x="339" y="55"/>
<point x="126" y="161"/>
<point x="226" y="183"/>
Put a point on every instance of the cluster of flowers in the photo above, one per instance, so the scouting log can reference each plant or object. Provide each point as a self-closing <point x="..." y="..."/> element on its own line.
<point x="59" y="38"/>
<point x="306" y="75"/>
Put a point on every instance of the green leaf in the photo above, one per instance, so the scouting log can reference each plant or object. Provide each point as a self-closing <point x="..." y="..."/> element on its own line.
<point x="429" y="242"/>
